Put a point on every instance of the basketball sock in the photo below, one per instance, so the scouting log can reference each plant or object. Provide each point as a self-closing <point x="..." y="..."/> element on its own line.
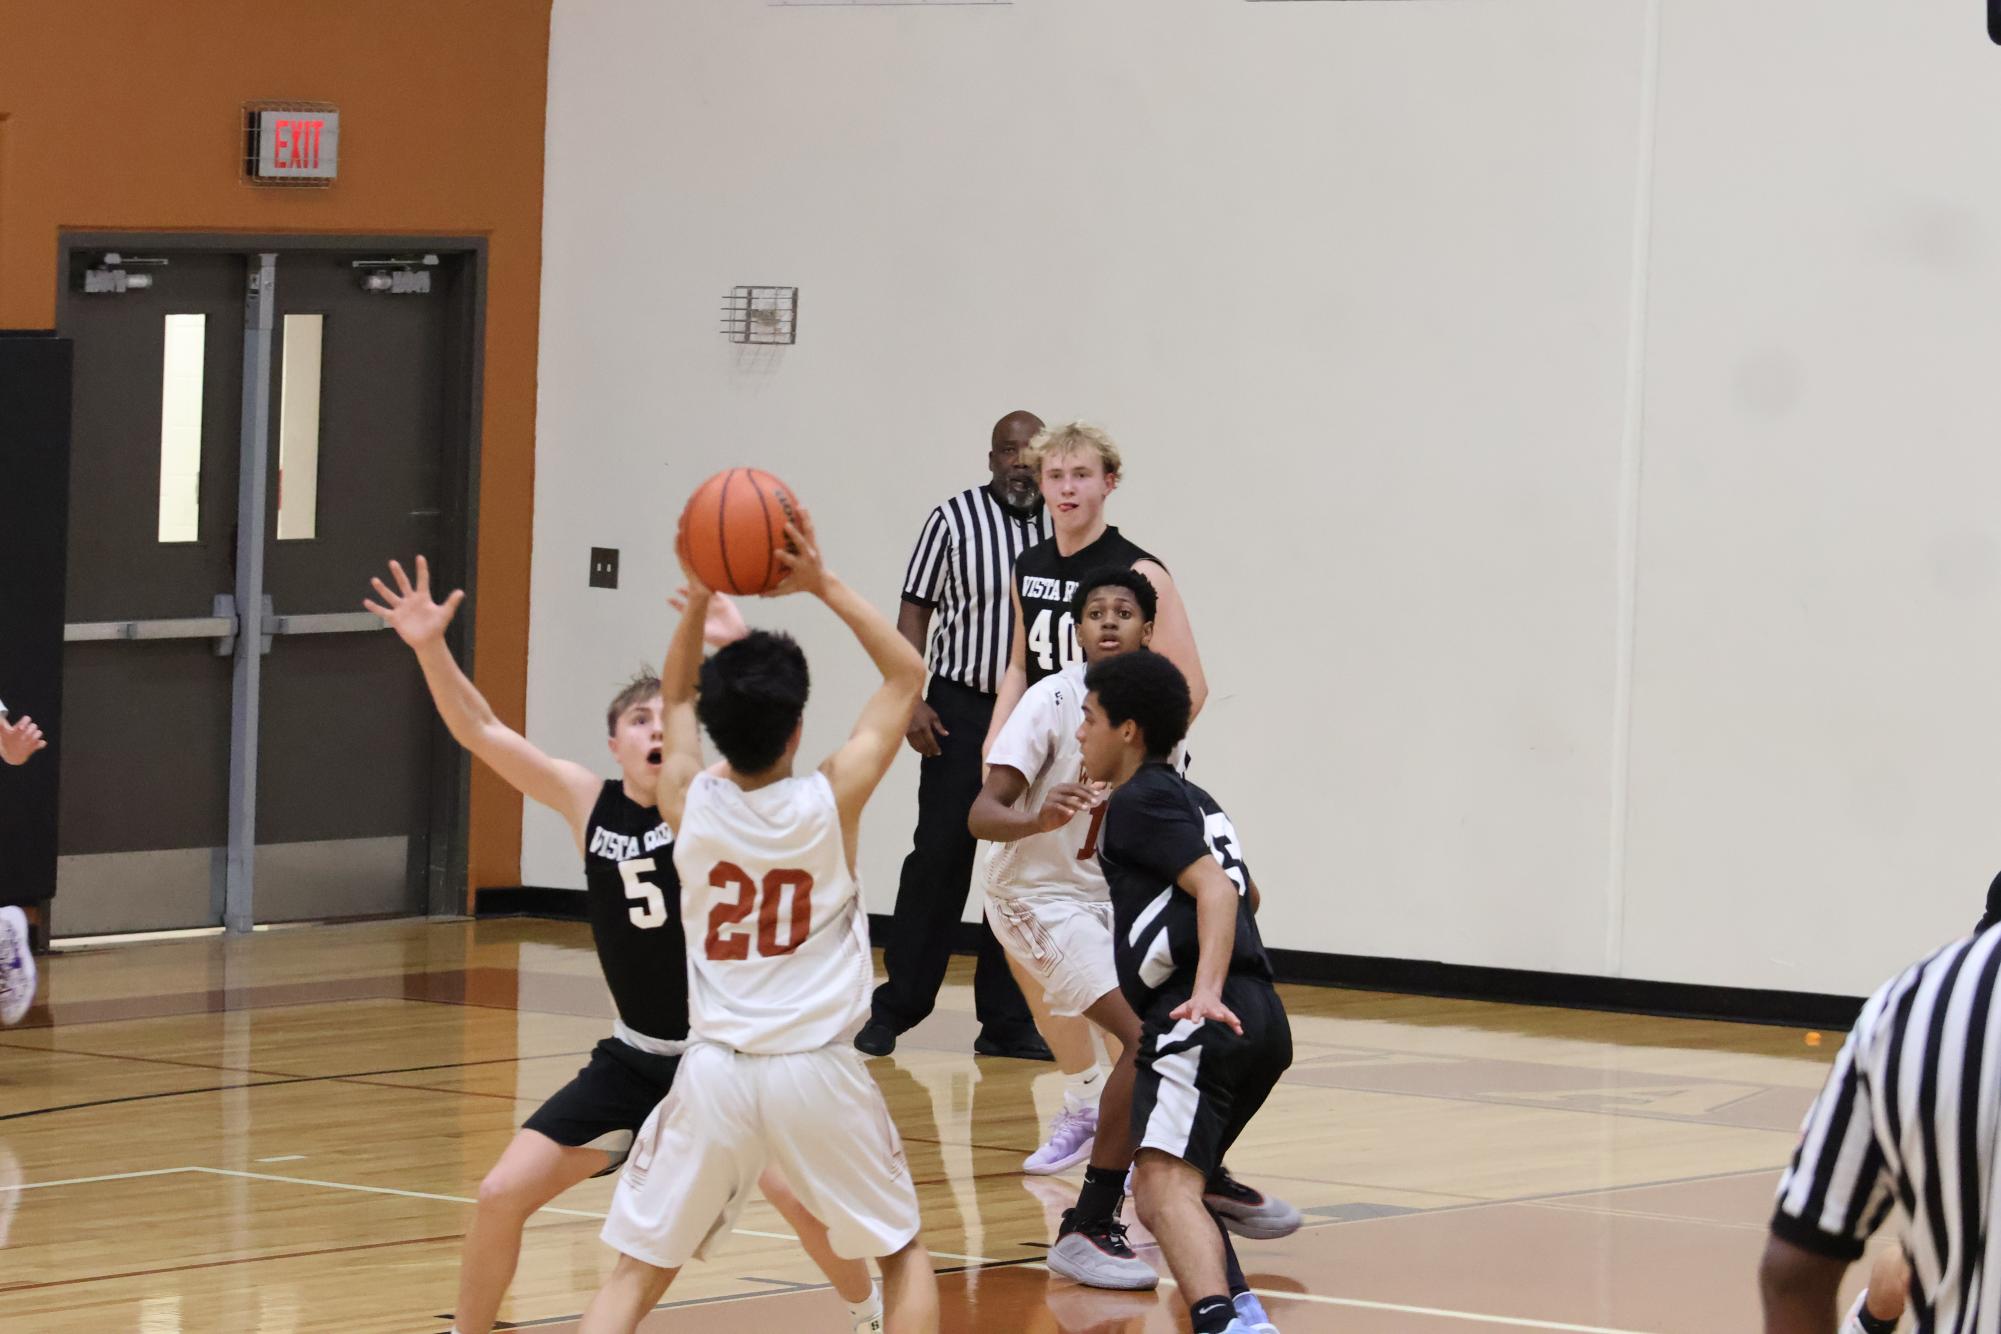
<point x="1232" y="1270"/>
<point x="1082" y="1092"/>
<point x="1212" y="1315"/>
<point x="871" y="1308"/>
<point x="1104" y="1191"/>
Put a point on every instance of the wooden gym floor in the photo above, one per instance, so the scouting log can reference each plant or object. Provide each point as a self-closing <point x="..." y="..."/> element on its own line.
<point x="285" y="1132"/>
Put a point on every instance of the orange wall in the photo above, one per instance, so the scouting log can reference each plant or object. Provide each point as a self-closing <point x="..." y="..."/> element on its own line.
<point x="126" y="114"/>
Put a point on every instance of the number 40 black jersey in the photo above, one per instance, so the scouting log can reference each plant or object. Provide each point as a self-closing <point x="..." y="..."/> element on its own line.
<point x="1045" y="580"/>
<point x="634" y="899"/>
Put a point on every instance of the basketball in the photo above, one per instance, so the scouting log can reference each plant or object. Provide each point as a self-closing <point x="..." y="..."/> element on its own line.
<point x="732" y="528"/>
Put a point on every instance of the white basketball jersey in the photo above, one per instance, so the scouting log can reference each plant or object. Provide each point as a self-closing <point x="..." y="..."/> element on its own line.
<point x="1039" y="741"/>
<point x="778" y="956"/>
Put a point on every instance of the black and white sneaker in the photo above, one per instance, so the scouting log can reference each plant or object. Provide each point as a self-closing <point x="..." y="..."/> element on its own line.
<point x="1098" y="1256"/>
<point x="1246" y="1212"/>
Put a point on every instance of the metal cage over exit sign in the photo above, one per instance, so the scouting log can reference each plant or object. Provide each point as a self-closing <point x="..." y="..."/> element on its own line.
<point x="291" y="143"/>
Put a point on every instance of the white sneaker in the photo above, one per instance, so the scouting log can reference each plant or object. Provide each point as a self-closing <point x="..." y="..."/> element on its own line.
<point x="17" y="966"/>
<point x="1071" y="1136"/>
<point x="869" y="1324"/>
<point x="1251" y="1314"/>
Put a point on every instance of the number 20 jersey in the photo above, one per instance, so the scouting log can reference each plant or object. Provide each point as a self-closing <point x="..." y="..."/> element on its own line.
<point x="778" y="953"/>
<point x="633" y="898"/>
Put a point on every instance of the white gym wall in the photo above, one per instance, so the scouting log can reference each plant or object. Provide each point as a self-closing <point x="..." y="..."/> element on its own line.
<point x="1454" y="490"/>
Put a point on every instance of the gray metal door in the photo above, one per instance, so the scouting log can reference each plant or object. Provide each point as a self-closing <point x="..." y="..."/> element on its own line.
<point x="143" y="824"/>
<point x="255" y="435"/>
<point x="346" y="730"/>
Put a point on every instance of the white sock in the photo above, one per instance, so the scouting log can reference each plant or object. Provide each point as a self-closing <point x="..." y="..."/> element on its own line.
<point x="1082" y="1091"/>
<point x="863" y="1310"/>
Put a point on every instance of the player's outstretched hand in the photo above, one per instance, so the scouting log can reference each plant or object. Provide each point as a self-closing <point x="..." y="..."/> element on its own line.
<point x="724" y="623"/>
<point x="1065" y="802"/>
<point x="19" y="740"/>
<point x="409" y="610"/>
<point x="804" y="572"/>
<point x="1202" y="1007"/>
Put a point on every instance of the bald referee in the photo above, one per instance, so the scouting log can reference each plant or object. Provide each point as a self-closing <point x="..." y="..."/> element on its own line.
<point x="960" y="573"/>
<point x="1909" y="1117"/>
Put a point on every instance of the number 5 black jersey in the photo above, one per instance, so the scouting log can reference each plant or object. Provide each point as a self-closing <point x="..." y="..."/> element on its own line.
<point x="634" y="900"/>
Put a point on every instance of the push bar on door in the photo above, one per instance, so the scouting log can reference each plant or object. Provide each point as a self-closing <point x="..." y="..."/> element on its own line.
<point x="221" y="627"/>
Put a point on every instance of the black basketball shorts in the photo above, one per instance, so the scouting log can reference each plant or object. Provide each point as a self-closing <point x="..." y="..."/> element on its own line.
<point x="1199" y="1085"/>
<point x="604" y="1106"/>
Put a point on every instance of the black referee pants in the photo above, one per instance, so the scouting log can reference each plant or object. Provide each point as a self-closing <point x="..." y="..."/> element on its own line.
<point x="937" y="875"/>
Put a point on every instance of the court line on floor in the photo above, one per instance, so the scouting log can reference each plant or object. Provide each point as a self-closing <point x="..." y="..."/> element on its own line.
<point x="150" y="1097"/>
<point x="226" y="1264"/>
<point x="86" y="1181"/>
<point x="1530" y="1104"/>
<point x="1442" y="1313"/>
<point x="597" y="1215"/>
<point x="358" y="1077"/>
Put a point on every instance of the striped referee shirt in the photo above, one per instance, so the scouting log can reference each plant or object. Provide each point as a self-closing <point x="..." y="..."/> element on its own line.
<point x="962" y="567"/>
<point x="1909" y="1117"/>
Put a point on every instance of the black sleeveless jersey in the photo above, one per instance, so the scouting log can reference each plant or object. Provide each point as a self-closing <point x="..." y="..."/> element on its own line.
<point x="1045" y="579"/>
<point x="1158" y="824"/>
<point x="634" y="898"/>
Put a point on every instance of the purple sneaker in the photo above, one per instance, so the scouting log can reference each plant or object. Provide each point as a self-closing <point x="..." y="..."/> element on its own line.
<point x="1070" y="1140"/>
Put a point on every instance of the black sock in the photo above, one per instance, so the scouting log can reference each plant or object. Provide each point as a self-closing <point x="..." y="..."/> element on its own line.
<point x="1104" y="1191"/>
<point x="1212" y="1315"/>
<point x="1233" y="1271"/>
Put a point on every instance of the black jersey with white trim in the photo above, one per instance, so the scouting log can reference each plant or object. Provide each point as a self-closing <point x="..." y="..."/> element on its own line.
<point x="1157" y="825"/>
<point x="634" y="900"/>
<point x="1046" y="580"/>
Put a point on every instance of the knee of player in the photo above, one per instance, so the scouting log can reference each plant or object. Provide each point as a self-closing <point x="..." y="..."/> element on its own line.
<point x="510" y="1193"/>
<point x="1153" y="1186"/>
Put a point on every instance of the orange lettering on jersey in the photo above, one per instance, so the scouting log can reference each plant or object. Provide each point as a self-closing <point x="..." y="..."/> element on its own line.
<point x="1090" y="848"/>
<point x="723" y="946"/>
<point x="775" y="885"/>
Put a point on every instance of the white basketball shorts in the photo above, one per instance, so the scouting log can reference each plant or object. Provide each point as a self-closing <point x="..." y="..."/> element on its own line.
<point x="1065" y="942"/>
<point x="816" y="1115"/>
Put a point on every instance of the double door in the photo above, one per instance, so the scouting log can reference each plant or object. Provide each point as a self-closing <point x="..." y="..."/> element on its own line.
<point x="255" y="434"/>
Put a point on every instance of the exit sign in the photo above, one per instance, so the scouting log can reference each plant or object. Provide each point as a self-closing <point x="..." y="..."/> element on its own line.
<point x="291" y="144"/>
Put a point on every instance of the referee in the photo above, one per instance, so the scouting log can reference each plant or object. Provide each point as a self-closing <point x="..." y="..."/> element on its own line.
<point x="960" y="572"/>
<point x="1909" y="1117"/>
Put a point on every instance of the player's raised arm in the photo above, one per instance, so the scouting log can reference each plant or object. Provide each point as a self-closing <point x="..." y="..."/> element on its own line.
<point x="1014" y="681"/>
<point x="856" y="768"/>
<point x="1173" y="635"/>
<point x="680" y="733"/>
<point x="565" y="788"/>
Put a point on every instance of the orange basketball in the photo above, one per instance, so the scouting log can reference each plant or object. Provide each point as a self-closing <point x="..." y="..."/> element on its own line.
<point x="733" y="526"/>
